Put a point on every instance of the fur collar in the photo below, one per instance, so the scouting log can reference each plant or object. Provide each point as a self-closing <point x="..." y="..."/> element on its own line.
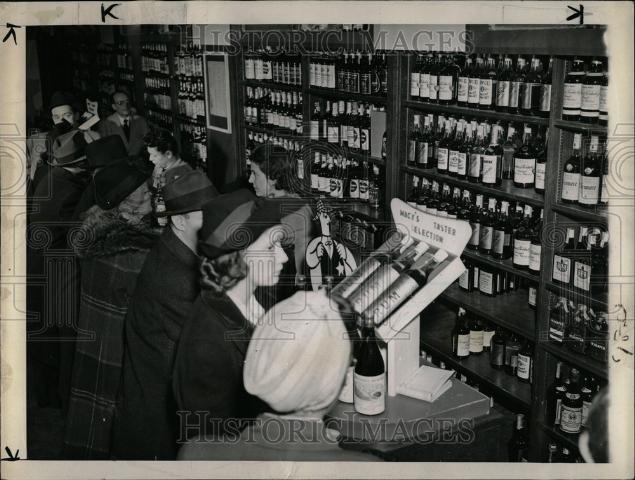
<point x="112" y="235"/>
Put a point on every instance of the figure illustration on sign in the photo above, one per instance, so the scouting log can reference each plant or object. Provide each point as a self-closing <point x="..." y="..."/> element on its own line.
<point x="326" y="256"/>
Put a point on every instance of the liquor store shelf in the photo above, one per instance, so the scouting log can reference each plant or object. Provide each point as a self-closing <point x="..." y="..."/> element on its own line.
<point x="506" y="190"/>
<point x="506" y="265"/>
<point x="584" y="362"/>
<point x="340" y="95"/>
<point x="475" y="112"/>
<point x="581" y="127"/>
<point x="276" y="133"/>
<point x="595" y="300"/>
<point x="566" y="439"/>
<point x="509" y="310"/>
<point x="436" y="339"/>
<point x="596" y="215"/>
<point x="272" y="85"/>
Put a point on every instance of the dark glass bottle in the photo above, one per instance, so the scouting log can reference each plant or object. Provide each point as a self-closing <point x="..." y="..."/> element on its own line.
<point x="572" y="95"/>
<point x="518" y="446"/>
<point x="530" y="93"/>
<point x="475" y="223"/>
<point x="545" y="91"/>
<point x="590" y="176"/>
<point x="555" y="394"/>
<point x="571" y="411"/>
<point x="525" y="162"/>
<point x="512" y="347"/>
<point x="476" y="336"/>
<point x="491" y="160"/>
<point x="461" y="336"/>
<point x="591" y="90"/>
<point x="369" y="378"/>
<point x="497" y="353"/>
<point x="525" y="363"/>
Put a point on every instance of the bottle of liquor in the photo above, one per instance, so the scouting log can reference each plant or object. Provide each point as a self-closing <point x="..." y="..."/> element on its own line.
<point x="517" y="80"/>
<point x="487" y="85"/>
<point x="476" y="336"/>
<point x="589" y="191"/>
<point x="461" y="336"/>
<point x="464" y="148"/>
<point x="369" y="377"/>
<point x="525" y="162"/>
<point x="413" y="140"/>
<point x="541" y="165"/>
<point x="535" y="248"/>
<point x="424" y="80"/>
<point x="375" y="189"/>
<point x="555" y="394"/>
<point x="571" y="410"/>
<point x="545" y="91"/>
<point x="475" y="223"/>
<point x="530" y="93"/>
<point x="509" y="150"/>
<point x="491" y="160"/>
<point x="408" y="282"/>
<point x="571" y="174"/>
<point x="423" y="149"/>
<point x="448" y="78"/>
<point x="518" y="446"/>
<point x="384" y="276"/>
<point x="465" y="280"/>
<point x="453" y="149"/>
<point x="503" y="85"/>
<point x="487" y="228"/>
<point x="590" y="103"/>
<point x="433" y="84"/>
<point x="572" y="101"/>
<point x="364" y="183"/>
<point x="497" y="353"/>
<point x="443" y="152"/>
<point x="487" y="281"/>
<point x="603" y="118"/>
<point x="501" y="243"/>
<point x="525" y="363"/>
<point x="415" y="77"/>
<point x="488" y="334"/>
<point x="463" y="83"/>
<point x="474" y="84"/>
<point x="582" y="265"/>
<point x="562" y="262"/>
<point x="474" y="159"/>
<point x="512" y="347"/>
<point x="522" y="241"/>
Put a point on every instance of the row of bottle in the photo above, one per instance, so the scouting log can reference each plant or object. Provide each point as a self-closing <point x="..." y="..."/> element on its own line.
<point x="126" y="77"/>
<point x="503" y="230"/>
<point x="518" y="444"/>
<point x="191" y="98"/>
<point x="356" y="231"/>
<point x="584" y="178"/>
<point x="492" y="282"/>
<point x="159" y="119"/>
<point x="569" y="398"/>
<point x="195" y="137"/>
<point x="272" y="108"/>
<point x="276" y="67"/>
<point x="188" y="64"/>
<point x="123" y="60"/>
<point x="352" y="72"/>
<point x="580" y="328"/>
<point x="483" y="82"/>
<point x="159" y="100"/>
<point x="506" y="352"/>
<point x="154" y="64"/>
<point x="160" y="84"/>
<point x="585" y="96"/>
<point x="583" y="265"/>
<point x="478" y="152"/>
<point x="343" y="123"/>
<point x="155" y="48"/>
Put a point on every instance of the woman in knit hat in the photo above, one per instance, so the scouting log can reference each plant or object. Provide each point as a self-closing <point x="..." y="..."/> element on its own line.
<point x="240" y="244"/>
<point x="296" y="363"/>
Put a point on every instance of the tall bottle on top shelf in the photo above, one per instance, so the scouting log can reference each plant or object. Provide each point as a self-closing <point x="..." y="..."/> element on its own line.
<point x="487" y="85"/>
<point x="591" y="91"/>
<point x="571" y="174"/>
<point x="517" y="80"/>
<point x="530" y="91"/>
<point x="545" y="91"/>
<point x="572" y="100"/>
<point x="503" y="84"/>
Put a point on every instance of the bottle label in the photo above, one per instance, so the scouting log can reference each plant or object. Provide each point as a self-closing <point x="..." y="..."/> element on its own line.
<point x="498" y="241"/>
<point x="540" y="175"/>
<point x="354" y="188"/>
<point x="370" y="290"/>
<point x="589" y="190"/>
<point x="464" y="280"/>
<point x="461" y="166"/>
<point x="434" y="87"/>
<point x="524" y="367"/>
<point x="453" y="161"/>
<point x="572" y="98"/>
<point x="475" y="165"/>
<point x="333" y="134"/>
<point x="485" y="91"/>
<point x="364" y="139"/>
<point x="369" y="394"/>
<point x="462" y="89"/>
<point x="590" y="99"/>
<point x="412" y="150"/>
<point x="502" y="95"/>
<point x="476" y="233"/>
<point x="422" y="154"/>
<point x="570" y="419"/>
<point x="582" y="276"/>
<point x="424" y="85"/>
<point x="476" y="341"/>
<point x="514" y="94"/>
<point x="391" y="298"/>
<point x="486" y="283"/>
<point x="414" y="84"/>
<point x="485" y="240"/>
<point x="545" y="97"/>
<point x="570" y="186"/>
<point x="489" y="163"/>
<point x="561" y="269"/>
<point x="532" y="296"/>
<point x="487" y="338"/>
<point x="528" y="95"/>
<point x="463" y="345"/>
<point x="473" y="89"/>
<point x="534" y="257"/>
<point x="524" y="169"/>
<point x="363" y="189"/>
<point x="604" y="92"/>
<point x="442" y="158"/>
<point x="521" y="252"/>
<point x="445" y="87"/>
<point x="314" y="181"/>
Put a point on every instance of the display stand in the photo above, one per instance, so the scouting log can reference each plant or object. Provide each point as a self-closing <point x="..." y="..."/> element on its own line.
<point x="399" y="331"/>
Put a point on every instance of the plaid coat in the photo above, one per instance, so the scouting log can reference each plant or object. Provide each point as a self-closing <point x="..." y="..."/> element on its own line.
<point x="110" y="259"/>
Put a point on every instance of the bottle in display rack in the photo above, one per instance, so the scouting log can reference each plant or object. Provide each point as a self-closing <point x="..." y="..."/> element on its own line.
<point x="497" y="353"/>
<point x="525" y="363"/>
<point x="603" y="118"/>
<point x="562" y="262"/>
<point x="491" y="160"/>
<point x="545" y="91"/>
<point x="503" y="85"/>
<point x="572" y="96"/>
<point x="461" y="336"/>
<point x="512" y="347"/>
<point x="369" y="377"/>
<point x="571" y="410"/>
<point x="571" y="174"/>
<point x="530" y="91"/>
<point x="535" y="248"/>
<point x="590" y="176"/>
<point x="522" y="241"/>
<point x="476" y="336"/>
<point x="590" y="95"/>
<point x="541" y="166"/>
<point x="525" y="162"/>
<point x="555" y="394"/>
<point x="518" y="446"/>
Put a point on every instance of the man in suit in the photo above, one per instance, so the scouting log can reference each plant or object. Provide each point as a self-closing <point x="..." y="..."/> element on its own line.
<point x="129" y="126"/>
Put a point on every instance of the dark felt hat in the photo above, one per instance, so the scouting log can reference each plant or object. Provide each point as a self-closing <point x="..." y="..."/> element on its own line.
<point x="105" y="151"/>
<point x="116" y="181"/>
<point x="69" y="148"/>
<point x="186" y="190"/>
<point x="62" y="98"/>
<point x="235" y="220"/>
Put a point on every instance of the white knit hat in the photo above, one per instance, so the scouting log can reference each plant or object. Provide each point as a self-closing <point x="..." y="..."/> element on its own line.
<point x="298" y="354"/>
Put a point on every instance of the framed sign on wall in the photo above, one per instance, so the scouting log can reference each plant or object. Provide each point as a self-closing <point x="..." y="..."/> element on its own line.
<point x="217" y="93"/>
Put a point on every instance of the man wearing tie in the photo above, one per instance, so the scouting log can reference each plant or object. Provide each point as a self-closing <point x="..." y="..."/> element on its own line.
<point x="129" y="126"/>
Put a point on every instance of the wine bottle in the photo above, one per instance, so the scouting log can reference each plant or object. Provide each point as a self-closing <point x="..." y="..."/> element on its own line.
<point x="424" y="80"/>
<point x="491" y="160"/>
<point x="589" y="191"/>
<point x="487" y="85"/>
<point x="463" y="83"/>
<point x="571" y="174"/>
<point x="475" y="223"/>
<point x="503" y="85"/>
<point x="487" y="282"/>
<point x="474" y="158"/>
<point x="476" y="336"/>
<point x="413" y="141"/>
<point x="535" y="248"/>
<point x="434" y="81"/>
<point x="464" y="149"/>
<point x="571" y="410"/>
<point x="603" y="118"/>
<point x="443" y="151"/>
<point x="545" y="91"/>
<point x="497" y="353"/>
<point x="518" y="446"/>
<point x="486" y="236"/>
<point x="415" y="78"/>
<point x="541" y="165"/>
<point x="448" y="77"/>
<point x="555" y="394"/>
<point x="517" y="80"/>
<point x="572" y="101"/>
<point x="509" y="150"/>
<point x="465" y="280"/>
<point x="474" y="84"/>
<point x="587" y="392"/>
<point x="369" y="377"/>
<point x="522" y="242"/>
<point x="590" y="95"/>
<point x="423" y="150"/>
<point x="408" y="282"/>
<point x="461" y="344"/>
<point x="530" y="93"/>
<point x="512" y="347"/>
<point x="501" y="240"/>
<point x="525" y="363"/>
<point x="453" y="149"/>
<point x="525" y="162"/>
